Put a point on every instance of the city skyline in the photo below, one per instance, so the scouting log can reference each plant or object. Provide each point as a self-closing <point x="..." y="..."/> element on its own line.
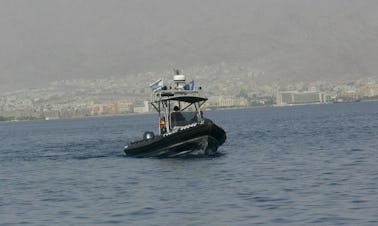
<point x="226" y="86"/>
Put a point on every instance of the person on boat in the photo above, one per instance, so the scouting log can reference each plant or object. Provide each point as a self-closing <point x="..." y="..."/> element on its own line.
<point x="176" y="117"/>
<point x="163" y="129"/>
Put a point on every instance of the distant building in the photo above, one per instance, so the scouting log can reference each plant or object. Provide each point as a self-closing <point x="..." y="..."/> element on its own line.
<point x="294" y="97"/>
<point x="347" y="96"/>
<point x="110" y="109"/>
<point x="104" y="109"/>
<point x="226" y="102"/>
<point x="96" y="109"/>
<point x="144" y="108"/>
<point x="370" y="90"/>
<point x="124" y="107"/>
<point x="51" y="114"/>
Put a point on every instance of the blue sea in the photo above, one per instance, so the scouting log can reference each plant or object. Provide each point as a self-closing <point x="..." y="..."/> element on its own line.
<point x="301" y="165"/>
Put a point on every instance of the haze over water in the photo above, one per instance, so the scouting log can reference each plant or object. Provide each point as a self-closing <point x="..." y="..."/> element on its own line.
<point x="293" y="165"/>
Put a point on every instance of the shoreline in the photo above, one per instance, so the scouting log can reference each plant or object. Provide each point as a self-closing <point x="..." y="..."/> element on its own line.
<point x="14" y="119"/>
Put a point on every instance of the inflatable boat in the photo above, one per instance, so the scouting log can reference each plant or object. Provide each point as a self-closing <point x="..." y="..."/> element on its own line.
<point x="182" y="131"/>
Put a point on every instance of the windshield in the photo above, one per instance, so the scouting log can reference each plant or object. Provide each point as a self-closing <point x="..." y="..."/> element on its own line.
<point x="183" y="118"/>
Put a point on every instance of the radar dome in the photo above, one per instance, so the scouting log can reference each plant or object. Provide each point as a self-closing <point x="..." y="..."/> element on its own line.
<point x="179" y="78"/>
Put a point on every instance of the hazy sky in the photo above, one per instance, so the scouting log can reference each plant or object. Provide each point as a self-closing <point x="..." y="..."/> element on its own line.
<point x="47" y="40"/>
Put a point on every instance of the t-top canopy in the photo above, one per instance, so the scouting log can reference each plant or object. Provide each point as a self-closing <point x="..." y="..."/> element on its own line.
<point x="188" y="99"/>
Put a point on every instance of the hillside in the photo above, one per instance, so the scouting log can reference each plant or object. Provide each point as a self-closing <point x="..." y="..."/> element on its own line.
<point x="292" y="40"/>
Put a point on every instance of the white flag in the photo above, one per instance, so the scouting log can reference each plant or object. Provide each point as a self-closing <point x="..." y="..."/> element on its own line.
<point x="156" y="85"/>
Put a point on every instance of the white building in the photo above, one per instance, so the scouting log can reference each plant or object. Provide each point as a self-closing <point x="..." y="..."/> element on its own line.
<point x="142" y="108"/>
<point x="294" y="97"/>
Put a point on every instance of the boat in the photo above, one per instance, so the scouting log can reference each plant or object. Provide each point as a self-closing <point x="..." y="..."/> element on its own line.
<point x="183" y="130"/>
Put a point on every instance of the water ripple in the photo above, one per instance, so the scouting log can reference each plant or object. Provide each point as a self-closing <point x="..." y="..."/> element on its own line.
<point x="293" y="166"/>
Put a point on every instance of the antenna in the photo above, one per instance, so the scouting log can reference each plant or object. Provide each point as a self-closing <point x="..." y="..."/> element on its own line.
<point x="177" y="71"/>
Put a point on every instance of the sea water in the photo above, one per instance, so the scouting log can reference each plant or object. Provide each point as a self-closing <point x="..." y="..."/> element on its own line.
<point x="299" y="165"/>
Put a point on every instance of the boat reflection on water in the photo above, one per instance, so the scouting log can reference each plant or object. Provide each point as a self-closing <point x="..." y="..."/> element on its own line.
<point x="183" y="131"/>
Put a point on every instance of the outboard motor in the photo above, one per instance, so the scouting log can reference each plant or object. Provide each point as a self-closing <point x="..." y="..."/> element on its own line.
<point x="148" y="135"/>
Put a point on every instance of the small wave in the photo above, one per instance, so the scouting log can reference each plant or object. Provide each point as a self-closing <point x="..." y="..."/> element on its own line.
<point x="144" y="211"/>
<point x="356" y="150"/>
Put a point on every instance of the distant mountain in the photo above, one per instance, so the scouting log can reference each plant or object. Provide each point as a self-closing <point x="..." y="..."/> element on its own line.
<point x="289" y="40"/>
